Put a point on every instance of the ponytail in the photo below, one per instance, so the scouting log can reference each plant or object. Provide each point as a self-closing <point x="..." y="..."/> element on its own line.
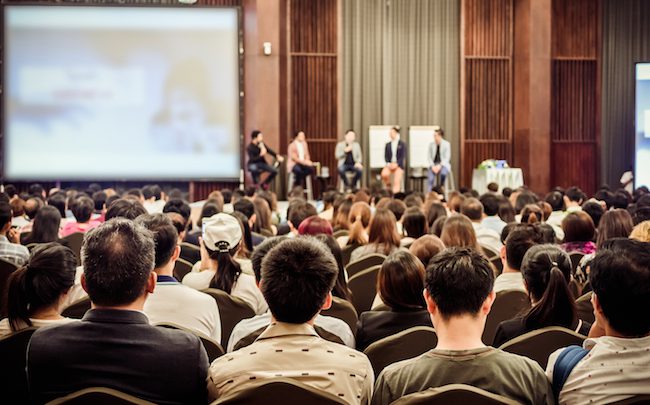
<point x="228" y="269"/>
<point x="18" y="302"/>
<point x="556" y="306"/>
<point x="357" y="232"/>
<point x="532" y="218"/>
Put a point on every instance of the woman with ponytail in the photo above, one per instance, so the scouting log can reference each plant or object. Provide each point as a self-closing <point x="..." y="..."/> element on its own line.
<point x="531" y="214"/>
<point x="220" y="242"/>
<point x="359" y="220"/>
<point x="546" y="270"/>
<point x="36" y="292"/>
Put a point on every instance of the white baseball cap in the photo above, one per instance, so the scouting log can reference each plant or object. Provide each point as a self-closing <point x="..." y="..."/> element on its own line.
<point x="221" y="232"/>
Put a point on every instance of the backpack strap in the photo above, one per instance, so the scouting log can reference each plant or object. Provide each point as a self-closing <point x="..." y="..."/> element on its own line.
<point x="565" y="363"/>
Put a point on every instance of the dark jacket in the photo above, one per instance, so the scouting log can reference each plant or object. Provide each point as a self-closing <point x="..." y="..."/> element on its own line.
<point x="510" y="329"/>
<point x="254" y="153"/>
<point x="117" y="349"/>
<point x="401" y="154"/>
<point x="375" y="325"/>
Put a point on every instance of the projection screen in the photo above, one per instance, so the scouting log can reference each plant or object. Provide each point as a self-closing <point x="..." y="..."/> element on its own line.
<point x="121" y="93"/>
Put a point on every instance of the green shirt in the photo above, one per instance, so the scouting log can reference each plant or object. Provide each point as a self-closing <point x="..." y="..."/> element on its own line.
<point x="491" y="369"/>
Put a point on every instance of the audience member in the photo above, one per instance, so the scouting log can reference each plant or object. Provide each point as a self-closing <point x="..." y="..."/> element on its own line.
<point x="473" y="209"/>
<point x="171" y="301"/>
<point x="123" y="208"/>
<point x="208" y="210"/>
<point x="414" y="225"/>
<point x="113" y="345"/>
<point x="18" y="219"/>
<point x="616" y="223"/>
<point x="36" y="291"/>
<point x="340" y="289"/>
<point x="459" y="296"/>
<point x="10" y="249"/>
<point x="595" y="210"/>
<point x="299" y="211"/>
<point x="31" y="208"/>
<point x="399" y="284"/>
<point x="532" y="214"/>
<point x="46" y="227"/>
<point x="328" y="205"/>
<point x="613" y="364"/>
<point x="579" y="232"/>
<point x="457" y="231"/>
<point x="263" y="218"/>
<point x="342" y="206"/>
<point x="573" y="199"/>
<point x="546" y="270"/>
<point x="315" y="225"/>
<point x="359" y="221"/>
<point x="297" y="279"/>
<point x="425" y="247"/>
<point x="506" y="211"/>
<point x="520" y="238"/>
<point x="153" y="201"/>
<point x="222" y="237"/>
<point x="382" y="236"/>
<point x="434" y="211"/>
<point x="491" y="220"/>
<point x="641" y="232"/>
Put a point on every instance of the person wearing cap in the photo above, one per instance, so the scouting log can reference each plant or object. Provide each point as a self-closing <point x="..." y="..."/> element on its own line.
<point x="220" y="242"/>
<point x="171" y="301"/>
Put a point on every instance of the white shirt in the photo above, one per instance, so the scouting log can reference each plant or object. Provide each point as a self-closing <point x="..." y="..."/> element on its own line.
<point x="250" y="325"/>
<point x="184" y="306"/>
<point x="393" y="148"/>
<point x="487" y="237"/>
<point x="244" y="288"/>
<point x="509" y="281"/>
<point x="5" y="328"/>
<point x="494" y="223"/>
<point x="615" y="369"/>
<point x="301" y="150"/>
<point x="76" y="291"/>
<point x="154" y="207"/>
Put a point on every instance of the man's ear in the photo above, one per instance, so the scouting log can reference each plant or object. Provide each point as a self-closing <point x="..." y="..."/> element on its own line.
<point x="328" y="302"/>
<point x="432" y="308"/>
<point x="502" y="254"/>
<point x="176" y="254"/>
<point x="83" y="283"/>
<point x="487" y="304"/>
<point x="151" y="282"/>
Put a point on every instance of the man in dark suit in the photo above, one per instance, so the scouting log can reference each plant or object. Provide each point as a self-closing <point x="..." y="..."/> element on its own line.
<point x="395" y="156"/>
<point x="114" y="345"/>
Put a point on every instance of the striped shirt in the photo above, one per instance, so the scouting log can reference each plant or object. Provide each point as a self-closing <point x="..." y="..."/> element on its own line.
<point x="12" y="252"/>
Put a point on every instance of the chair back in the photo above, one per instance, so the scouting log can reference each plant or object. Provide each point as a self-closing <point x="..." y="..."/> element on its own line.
<point x="346" y="252"/>
<point x="31" y="246"/>
<point x="181" y="268"/>
<point x="638" y="399"/>
<point x="575" y="260"/>
<point x="489" y="252"/>
<point x="539" y="344"/>
<point x="13" y="352"/>
<point x="6" y="268"/>
<point x="584" y="308"/>
<point x="364" y="263"/>
<point x="343" y="310"/>
<point x="497" y="264"/>
<point x="190" y="252"/>
<point x="212" y="347"/>
<point x="341" y="232"/>
<point x="507" y="305"/>
<point x="454" y="394"/>
<point x="364" y="288"/>
<point x="99" y="396"/>
<point x="231" y="311"/>
<point x="404" y="345"/>
<point x="283" y="390"/>
<point x="75" y="240"/>
<point x="77" y="309"/>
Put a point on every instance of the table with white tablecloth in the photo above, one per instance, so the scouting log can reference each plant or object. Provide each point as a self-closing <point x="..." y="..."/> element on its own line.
<point x="512" y="177"/>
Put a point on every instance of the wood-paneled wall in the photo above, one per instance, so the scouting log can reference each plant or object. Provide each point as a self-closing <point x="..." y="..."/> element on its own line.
<point x="575" y="76"/>
<point x="313" y="82"/>
<point x="486" y="83"/>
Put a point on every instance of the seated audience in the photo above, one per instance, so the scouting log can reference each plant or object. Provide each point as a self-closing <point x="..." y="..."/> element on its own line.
<point x="382" y="236"/>
<point x="297" y="279"/>
<point x="153" y="201"/>
<point x="473" y="209"/>
<point x="532" y="214"/>
<point x="82" y="209"/>
<point x="209" y="209"/>
<point x="414" y="225"/>
<point x="573" y="199"/>
<point x="595" y="210"/>
<point x="248" y="330"/>
<point x="434" y="211"/>
<point x="358" y="221"/>
<point x="299" y="210"/>
<point x="263" y="218"/>
<point x="10" y="249"/>
<point x="579" y="232"/>
<point x="36" y="291"/>
<point x="31" y="208"/>
<point x="641" y="232"/>
<point x="315" y="225"/>
<point x="399" y="284"/>
<point x="615" y="223"/>
<point x="612" y="366"/>
<point x="457" y="231"/>
<point x="124" y="208"/>
<point x="46" y="227"/>
<point x="222" y="237"/>
<point x="171" y="301"/>
<point x="491" y="219"/>
<point x="342" y="206"/>
<point x="114" y="346"/>
<point x="520" y="238"/>
<point x="340" y="289"/>
<point x="459" y="296"/>
<point x="546" y="270"/>
<point x="246" y="207"/>
<point x="425" y="247"/>
<point x="328" y="205"/>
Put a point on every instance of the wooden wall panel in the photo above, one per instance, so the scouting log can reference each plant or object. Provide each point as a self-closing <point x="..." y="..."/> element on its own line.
<point x="486" y="83"/>
<point x="573" y="113"/>
<point x="314" y="25"/>
<point x="575" y="28"/>
<point x="573" y="164"/>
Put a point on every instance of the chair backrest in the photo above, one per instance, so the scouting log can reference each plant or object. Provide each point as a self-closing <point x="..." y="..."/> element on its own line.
<point x="364" y="263"/>
<point x="6" y="268"/>
<point x="31" y="246"/>
<point x="584" y="308"/>
<point x="190" y="252"/>
<point x="638" y="399"/>
<point x="364" y="288"/>
<point x="454" y="394"/>
<point x="507" y="305"/>
<point x="489" y="252"/>
<point x="77" y="309"/>
<point x="346" y="252"/>
<point x="13" y="352"/>
<point x="75" y="240"/>
<point x="99" y="396"/>
<point x="212" y="347"/>
<point x="404" y="345"/>
<point x="231" y="311"/>
<point x="341" y="232"/>
<point x="283" y="390"/>
<point x="575" y="259"/>
<point x="343" y="310"/>
<point x="181" y="268"/>
<point x="498" y="265"/>
<point x="539" y="344"/>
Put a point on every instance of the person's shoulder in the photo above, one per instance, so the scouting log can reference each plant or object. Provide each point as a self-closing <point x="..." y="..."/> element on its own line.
<point x="406" y="367"/>
<point x="514" y="361"/>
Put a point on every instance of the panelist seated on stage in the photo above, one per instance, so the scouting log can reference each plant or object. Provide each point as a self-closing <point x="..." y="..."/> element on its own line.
<point x="257" y="164"/>
<point x="395" y="156"/>
<point x="439" y="159"/>
<point x="348" y="154"/>
<point x="299" y="162"/>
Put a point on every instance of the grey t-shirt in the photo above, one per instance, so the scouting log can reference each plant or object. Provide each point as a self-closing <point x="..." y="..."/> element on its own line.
<point x="491" y="369"/>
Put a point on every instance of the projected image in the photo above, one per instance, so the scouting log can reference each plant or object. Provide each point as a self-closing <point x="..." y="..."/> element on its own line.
<point x="642" y="170"/>
<point x="121" y="93"/>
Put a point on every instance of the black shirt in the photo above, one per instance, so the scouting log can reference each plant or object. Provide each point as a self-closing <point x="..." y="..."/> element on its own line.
<point x="436" y="159"/>
<point x="254" y="153"/>
<point x="349" y="160"/>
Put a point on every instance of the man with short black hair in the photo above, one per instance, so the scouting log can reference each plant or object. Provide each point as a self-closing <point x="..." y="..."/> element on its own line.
<point x="297" y="279"/>
<point x="248" y="330"/>
<point x="124" y="208"/>
<point x="612" y="366"/>
<point x="573" y="199"/>
<point x="328" y="204"/>
<point x="491" y="220"/>
<point x="172" y="301"/>
<point x="10" y="248"/>
<point x="113" y="345"/>
<point x="473" y="209"/>
<point x="298" y="212"/>
<point x="521" y="238"/>
<point x="257" y="151"/>
<point x="153" y="202"/>
<point x="459" y="296"/>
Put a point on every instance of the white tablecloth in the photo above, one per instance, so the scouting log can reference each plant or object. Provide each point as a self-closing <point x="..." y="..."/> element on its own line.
<point x="512" y="177"/>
